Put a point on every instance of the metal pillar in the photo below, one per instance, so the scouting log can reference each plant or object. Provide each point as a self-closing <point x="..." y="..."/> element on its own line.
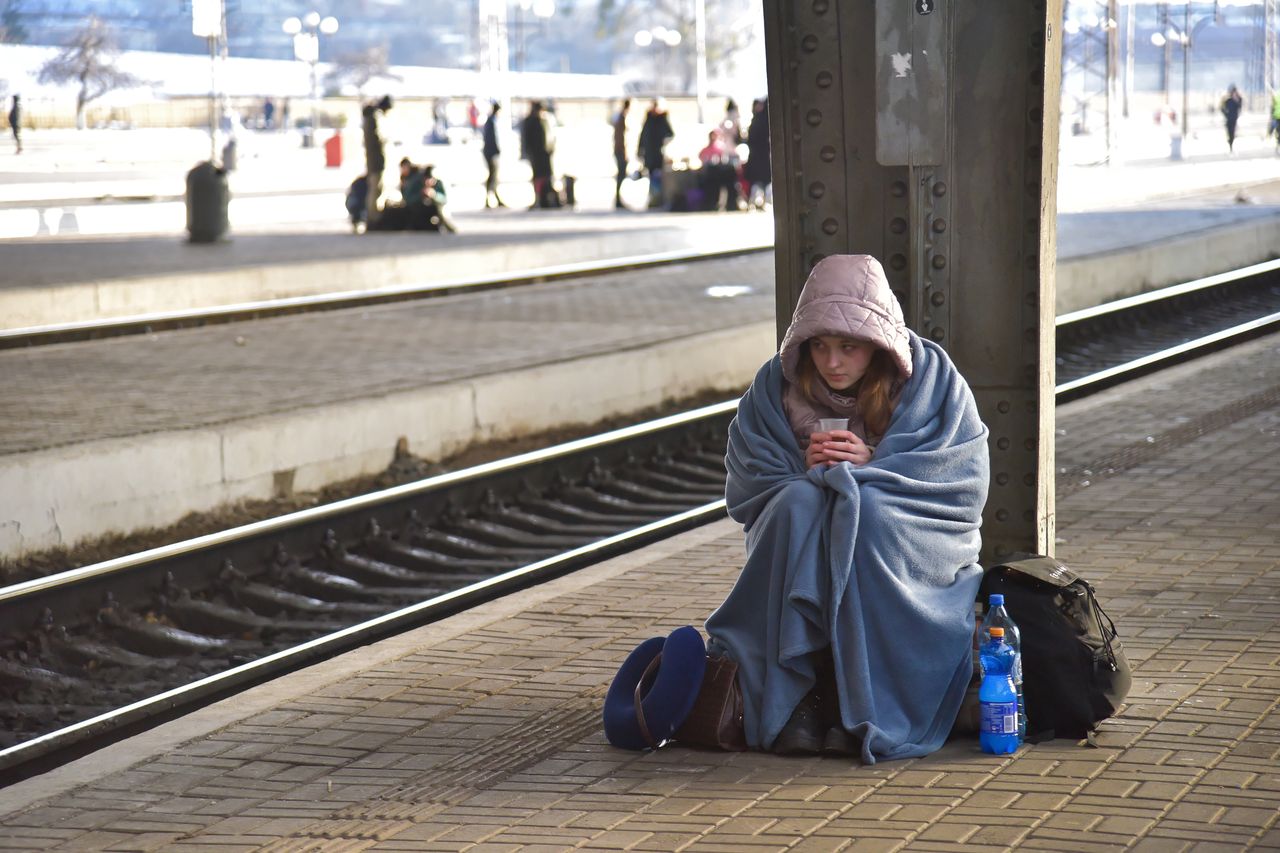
<point x="1162" y="10"/>
<point x="926" y="133"/>
<point x="1270" y="48"/>
<point x="1130" y="25"/>
<point x="1088" y="64"/>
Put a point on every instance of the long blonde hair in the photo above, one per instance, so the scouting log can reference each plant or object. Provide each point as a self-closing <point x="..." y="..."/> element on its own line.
<point x="874" y="390"/>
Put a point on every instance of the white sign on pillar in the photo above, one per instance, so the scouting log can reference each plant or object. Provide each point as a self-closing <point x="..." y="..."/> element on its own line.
<point x="911" y="82"/>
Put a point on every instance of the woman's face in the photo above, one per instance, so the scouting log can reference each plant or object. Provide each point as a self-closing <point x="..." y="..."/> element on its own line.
<point x="840" y="361"/>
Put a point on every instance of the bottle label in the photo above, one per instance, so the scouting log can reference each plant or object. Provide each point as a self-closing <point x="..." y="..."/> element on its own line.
<point x="1000" y="718"/>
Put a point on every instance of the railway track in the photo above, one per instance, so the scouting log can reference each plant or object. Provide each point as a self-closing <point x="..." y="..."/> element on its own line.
<point x="91" y="652"/>
<point x="1098" y="347"/>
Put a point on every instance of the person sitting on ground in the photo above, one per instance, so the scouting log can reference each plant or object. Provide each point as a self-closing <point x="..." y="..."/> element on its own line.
<point x="852" y="620"/>
<point x="719" y="173"/>
<point x="357" y="203"/>
<point x="436" y="196"/>
<point x="411" y="213"/>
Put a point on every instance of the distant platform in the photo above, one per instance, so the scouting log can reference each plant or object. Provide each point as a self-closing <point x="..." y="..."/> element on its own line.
<point x="197" y="418"/>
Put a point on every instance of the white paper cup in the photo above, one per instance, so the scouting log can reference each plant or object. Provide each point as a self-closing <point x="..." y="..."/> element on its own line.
<point x="828" y="424"/>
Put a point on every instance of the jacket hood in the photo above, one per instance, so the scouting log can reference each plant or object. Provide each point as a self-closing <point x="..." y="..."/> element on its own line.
<point x="847" y="296"/>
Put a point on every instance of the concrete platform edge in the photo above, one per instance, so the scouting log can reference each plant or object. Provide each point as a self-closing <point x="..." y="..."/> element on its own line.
<point x="429" y="258"/>
<point x="1084" y="282"/>
<point x="64" y="495"/>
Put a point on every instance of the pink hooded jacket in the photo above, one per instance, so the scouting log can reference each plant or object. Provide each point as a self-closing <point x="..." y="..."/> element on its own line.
<point x="847" y="296"/>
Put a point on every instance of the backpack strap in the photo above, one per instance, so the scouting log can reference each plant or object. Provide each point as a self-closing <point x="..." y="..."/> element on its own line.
<point x="1107" y="635"/>
<point x="639" y="695"/>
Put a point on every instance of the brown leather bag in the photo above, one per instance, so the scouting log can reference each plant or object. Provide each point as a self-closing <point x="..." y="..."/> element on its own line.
<point x="716" y="719"/>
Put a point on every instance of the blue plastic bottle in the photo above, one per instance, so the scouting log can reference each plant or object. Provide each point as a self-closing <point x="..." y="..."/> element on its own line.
<point x="998" y="617"/>
<point x="998" y="733"/>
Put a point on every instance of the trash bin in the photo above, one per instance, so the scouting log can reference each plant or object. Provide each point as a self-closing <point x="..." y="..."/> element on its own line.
<point x="333" y="151"/>
<point x="207" y="198"/>
<point x="1175" y="146"/>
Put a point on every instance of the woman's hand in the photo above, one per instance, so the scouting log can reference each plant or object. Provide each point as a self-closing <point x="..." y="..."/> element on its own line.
<point x="838" y="445"/>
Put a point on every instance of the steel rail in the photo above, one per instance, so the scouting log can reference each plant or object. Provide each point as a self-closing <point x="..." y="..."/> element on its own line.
<point x="329" y="645"/>
<point x="1143" y="314"/>
<point x="31" y="336"/>
<point x="1202" y="344"/>
<point x="360" y="502"/>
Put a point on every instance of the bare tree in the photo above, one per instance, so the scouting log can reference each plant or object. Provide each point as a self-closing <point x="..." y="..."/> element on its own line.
<point x="11" y="29"/>
<point x="360" y="67"/>
<point x="88" y="60"/>
<point x="724" y="39"/>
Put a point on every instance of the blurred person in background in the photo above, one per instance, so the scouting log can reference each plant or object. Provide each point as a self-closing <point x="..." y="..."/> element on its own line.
<point x="491" y="152"/>
<point x="758" y="173"/>
<point x="719" y="172"/>
<point x="1275" y="116"/>
<point x="1231" y="106"/>
<point x="620" y="151"/>
<point x="655" y="133"/>
<point x="15" y="123"/>
<point x="536" y="146"/>
<point x="436" y="196"/>
<point x="375" y="157"/>
<point x="731" y="124"/>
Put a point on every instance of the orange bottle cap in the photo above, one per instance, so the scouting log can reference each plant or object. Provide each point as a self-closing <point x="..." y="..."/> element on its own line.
<point x="997" y="632"/>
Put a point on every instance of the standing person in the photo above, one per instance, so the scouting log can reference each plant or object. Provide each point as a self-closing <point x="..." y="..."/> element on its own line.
<point x="491" y="152"/>
<point x="731" y="124"/>
<point x="285" y="112"/>
<point x="268" y="114"/>
<point x="440" y="121"/>
<point x="852" y="619"/>
<point x="1275" y="117"/>
<point x="620" y="151"/>
<point x="473" y="117"/>
<point x="15" y="123"/>
<point x="534" y="145"/>
<point x="375" y="157"/>
<point x="1231" y="106"/>
<point x="655" y="133"/>
<point x="757" y="172"/>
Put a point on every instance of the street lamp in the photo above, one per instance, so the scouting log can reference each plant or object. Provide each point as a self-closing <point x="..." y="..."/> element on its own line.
<point x="207" y="20"/>
<point x="306" y="47"/>
<point x="541" y="11"/>
<point x="1185" y="37"/>
<point x="658" y="37"/>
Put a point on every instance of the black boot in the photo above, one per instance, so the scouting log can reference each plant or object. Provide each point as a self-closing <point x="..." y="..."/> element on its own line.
<point x="839" y="742"/>
<point x="804" y="731"/>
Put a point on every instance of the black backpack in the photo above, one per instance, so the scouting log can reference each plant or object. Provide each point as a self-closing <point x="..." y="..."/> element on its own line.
<point x="1074" y="672"/>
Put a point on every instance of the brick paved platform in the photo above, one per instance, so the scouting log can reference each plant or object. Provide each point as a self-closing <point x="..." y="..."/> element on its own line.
<point x="481" y="732"/>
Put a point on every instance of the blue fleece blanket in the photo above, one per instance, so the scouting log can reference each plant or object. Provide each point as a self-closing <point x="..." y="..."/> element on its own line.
<point x="877" y="561"/>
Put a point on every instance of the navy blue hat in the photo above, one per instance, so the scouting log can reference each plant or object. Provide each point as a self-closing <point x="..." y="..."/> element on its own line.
<point x="666" y="688"/>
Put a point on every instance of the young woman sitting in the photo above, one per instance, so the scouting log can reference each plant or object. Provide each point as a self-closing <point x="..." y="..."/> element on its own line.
<point x="852" y="619"/>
